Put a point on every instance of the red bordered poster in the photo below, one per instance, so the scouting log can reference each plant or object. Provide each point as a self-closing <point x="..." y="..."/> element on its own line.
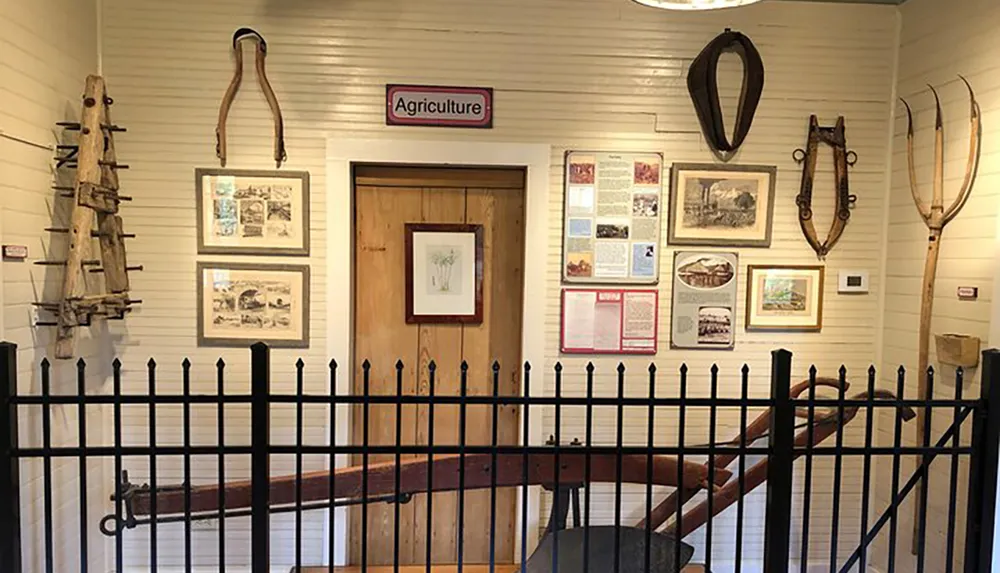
<point x="609" y="321"/>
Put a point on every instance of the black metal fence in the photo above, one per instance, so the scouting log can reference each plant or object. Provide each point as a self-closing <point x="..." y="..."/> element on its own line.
<point x="704" y="485"/>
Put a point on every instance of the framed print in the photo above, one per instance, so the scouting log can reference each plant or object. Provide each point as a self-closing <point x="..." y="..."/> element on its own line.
<point x="785" y="298"/>
<point x="721" y="205"/>
<point x="703" y="308"/>
<point x="611" y="218"/>
<point x="252" y="212"/>
<point x="444" y="273"/>
<point x="240" y="304"/>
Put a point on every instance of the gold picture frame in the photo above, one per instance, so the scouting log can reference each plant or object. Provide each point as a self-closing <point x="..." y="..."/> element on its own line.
<point x="721" y="205"/>
<point x="785" y="298"/>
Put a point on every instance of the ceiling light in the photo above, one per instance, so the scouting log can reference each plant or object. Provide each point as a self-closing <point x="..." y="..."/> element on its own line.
<point x="695" y="4"/>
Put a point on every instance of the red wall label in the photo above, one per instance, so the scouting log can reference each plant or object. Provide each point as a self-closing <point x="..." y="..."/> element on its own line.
<point x="438" y="106"/>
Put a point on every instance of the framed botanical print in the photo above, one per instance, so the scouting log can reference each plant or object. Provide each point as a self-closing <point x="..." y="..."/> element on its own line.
<point x="240" y="304"/>
<point x="243" y="212"/>
<point x="444" y="273"/>
<point x="785" y="298"/>
<point x="721" y="205"/>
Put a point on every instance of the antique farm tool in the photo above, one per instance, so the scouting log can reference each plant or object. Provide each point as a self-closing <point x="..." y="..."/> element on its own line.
<point x="350" y="486"/>
<point x="755" y="431"/>
<point x="703" y="85"/>
<point x="265" y="86"/>
<point x="826" y="424"/>
<point x="936" y="217"/>
<point x="95" y="196"/>
<point x="842" y="158"/>
<point x="348" y="483"/>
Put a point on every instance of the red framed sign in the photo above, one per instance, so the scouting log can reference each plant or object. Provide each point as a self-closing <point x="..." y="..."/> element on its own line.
<point x="438" y="106"/>
<point x="609" y="321"/>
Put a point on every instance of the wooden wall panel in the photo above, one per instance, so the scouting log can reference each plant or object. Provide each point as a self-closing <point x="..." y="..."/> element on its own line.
<point x="47" y="49"/>
<point x="936" y="45"/>
<point x="573" y="74"/>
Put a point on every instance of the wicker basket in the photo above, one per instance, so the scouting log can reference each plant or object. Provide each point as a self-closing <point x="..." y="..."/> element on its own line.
<point x="957" y="350"/>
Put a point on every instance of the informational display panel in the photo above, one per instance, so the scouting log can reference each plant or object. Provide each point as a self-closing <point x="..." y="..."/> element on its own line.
<point x="703" y="313"/>
<point x="611" y="232"/>
<point x="609" y="321"/>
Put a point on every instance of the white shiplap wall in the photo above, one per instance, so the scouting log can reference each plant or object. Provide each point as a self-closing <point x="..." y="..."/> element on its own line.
<point x="47" y="48"/>
<point x="936" y="45"/>
<point x="575" y="74"/>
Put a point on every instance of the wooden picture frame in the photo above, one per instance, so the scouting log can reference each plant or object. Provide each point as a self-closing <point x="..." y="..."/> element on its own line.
<point x="705" y="211"/>
<point x="785" y="298"/>
<point x="247" y="303"/>
<point x="434" y="251"/>
<point x="252" y="212"/>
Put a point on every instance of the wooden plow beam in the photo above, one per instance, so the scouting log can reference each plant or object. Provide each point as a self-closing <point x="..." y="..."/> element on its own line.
<point x="936" y="217"/>
<point x="379" y="481"/>
<point x="95" y="199"/>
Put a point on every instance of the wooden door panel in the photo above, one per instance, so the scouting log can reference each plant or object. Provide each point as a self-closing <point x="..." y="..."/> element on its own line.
<point x="441" y="343"/>
<point x="497" y="339"/>
<point x="389" y="198"/>
<point x="379" y="250"/>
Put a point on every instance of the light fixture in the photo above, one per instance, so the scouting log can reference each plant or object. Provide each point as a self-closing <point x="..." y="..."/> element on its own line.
<point x="695" y="4"/>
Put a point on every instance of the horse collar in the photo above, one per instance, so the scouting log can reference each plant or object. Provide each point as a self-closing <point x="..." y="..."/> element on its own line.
<point x="704" y="87"/>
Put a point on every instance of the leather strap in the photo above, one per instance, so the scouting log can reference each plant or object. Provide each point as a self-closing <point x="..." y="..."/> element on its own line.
<point x="704" y="88"/>
<point x="836" y="138"/>
<point x="227" y="101"/>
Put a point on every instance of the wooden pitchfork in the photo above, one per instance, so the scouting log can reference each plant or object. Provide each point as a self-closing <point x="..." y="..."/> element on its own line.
<point x="936" y="217"/>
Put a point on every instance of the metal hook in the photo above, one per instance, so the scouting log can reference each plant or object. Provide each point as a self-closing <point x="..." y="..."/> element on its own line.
<point x="851" y="158"/>
<point x="799" y="155"/>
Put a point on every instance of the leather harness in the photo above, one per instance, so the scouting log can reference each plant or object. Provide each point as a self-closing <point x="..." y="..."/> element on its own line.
<point x="704" y="88"/>
<point x="836" y="138"/>
<point x="265" y="86"/>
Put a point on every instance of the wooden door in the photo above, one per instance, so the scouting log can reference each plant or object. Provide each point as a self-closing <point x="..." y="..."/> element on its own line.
<point x="386" y="198"/>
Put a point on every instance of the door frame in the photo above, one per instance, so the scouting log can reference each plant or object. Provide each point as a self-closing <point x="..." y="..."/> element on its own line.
<point x="341" y="156"/>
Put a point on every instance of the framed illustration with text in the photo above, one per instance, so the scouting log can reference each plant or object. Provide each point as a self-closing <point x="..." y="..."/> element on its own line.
<point x="242" y="212"/>
<point x="444" y="273"/>
<point x="703" y="307"/>
<point x="611" y="217"/>
<point x="785" y="298"/>
<point x="240" y="304"/>
<point x="721" y="205"/>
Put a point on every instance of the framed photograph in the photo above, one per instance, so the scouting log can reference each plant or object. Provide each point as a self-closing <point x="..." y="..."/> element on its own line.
<point x="444" y="273"/>
<point x="252" y="212"/>
<point x="703" y="308"/>
<point x="785" y="298"/>
<point x="721" y="205"/>
<point x="240" y="304"/>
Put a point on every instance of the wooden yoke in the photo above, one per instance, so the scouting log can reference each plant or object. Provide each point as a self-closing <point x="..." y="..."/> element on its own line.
<point x="936" y="217"/>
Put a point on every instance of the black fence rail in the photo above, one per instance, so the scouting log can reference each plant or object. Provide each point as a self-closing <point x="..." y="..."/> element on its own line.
<point x="797" y="426"/>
